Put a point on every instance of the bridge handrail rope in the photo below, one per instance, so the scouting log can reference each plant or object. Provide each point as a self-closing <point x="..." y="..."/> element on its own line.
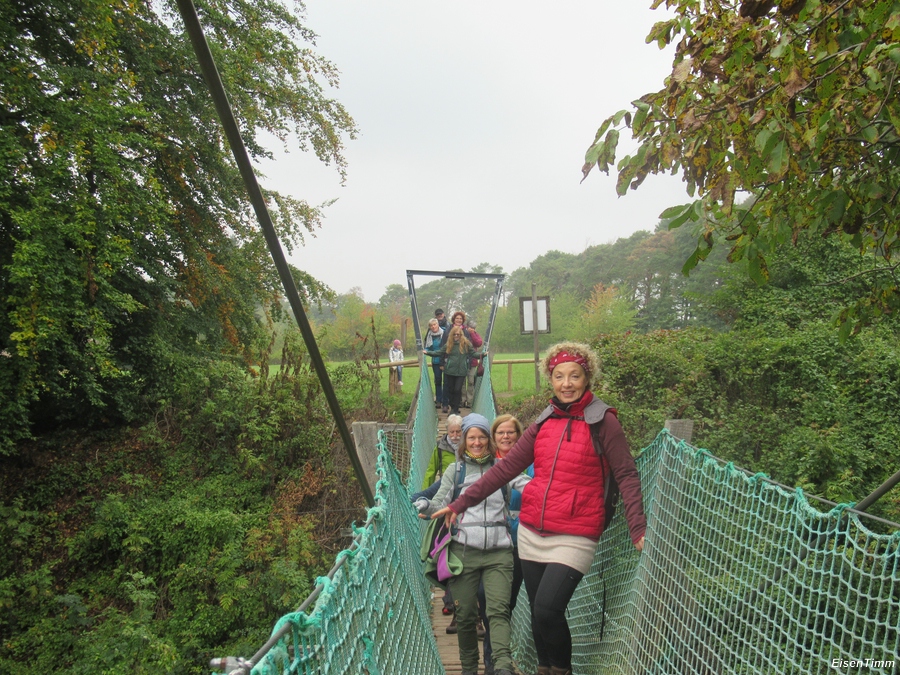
<point x="376" y="585"/>
<point x="321" y="584"/>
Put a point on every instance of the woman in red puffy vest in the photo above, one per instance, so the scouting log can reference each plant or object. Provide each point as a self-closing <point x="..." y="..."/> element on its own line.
<point x="581" y="460"/>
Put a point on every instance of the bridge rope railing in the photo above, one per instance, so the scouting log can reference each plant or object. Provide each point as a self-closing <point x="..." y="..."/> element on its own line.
<point x="739" y="575"/>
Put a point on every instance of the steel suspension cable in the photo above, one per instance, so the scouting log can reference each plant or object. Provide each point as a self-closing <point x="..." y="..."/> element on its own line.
<point x="239" y="150"/>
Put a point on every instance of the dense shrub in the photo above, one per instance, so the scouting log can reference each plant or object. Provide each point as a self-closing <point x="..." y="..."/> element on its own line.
<point x="154" y="549"/>
<point x="798" y="405"/>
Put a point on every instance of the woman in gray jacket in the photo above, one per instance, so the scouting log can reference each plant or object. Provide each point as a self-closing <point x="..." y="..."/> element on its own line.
<point x="483" y="544"/>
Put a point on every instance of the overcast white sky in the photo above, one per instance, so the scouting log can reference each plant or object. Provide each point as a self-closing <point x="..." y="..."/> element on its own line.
<point x="474" y="118"/>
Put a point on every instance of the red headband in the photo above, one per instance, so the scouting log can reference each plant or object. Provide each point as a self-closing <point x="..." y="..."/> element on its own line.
<point x="566" y="357"/>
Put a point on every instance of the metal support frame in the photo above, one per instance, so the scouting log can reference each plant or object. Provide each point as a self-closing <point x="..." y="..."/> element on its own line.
<point x="411" y="285"/>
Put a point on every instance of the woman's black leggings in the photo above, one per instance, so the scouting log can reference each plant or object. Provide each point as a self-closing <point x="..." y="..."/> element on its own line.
<point x="453" y="385"/>
<point x="550" y="587"/>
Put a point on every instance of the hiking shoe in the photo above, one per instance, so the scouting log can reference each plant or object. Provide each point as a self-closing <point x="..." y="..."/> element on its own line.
<point x="445" y="408"/>
<point x="451" y="629"/>
<point x="437" y="404"/>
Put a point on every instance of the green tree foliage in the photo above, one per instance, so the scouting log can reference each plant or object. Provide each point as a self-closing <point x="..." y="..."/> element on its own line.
<point x="795" y="106"/>
<point x="798" y="405"/>
<point x="126" y="243"/>
<point x="395" y="296"/>
<point x="470" y="295"/>
<point x="604" y="312"/>
<point x="394" y="303"/>
<point x="645" y="270"/>
<point x="152" y="551"/>
<point x="440" y="293"/>
<point x="552" y="272"/>
<point x="346" y="332"/>
<point x="478" y="293"/>
<point x="800" y="289"/>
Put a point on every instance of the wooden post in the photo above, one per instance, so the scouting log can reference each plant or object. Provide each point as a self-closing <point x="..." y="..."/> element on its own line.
<point x="393" y="387"/>
<point x="682" y="429"/>
<point x="534" y="329"/>
<point x="365" y="436"/>
<point x="509" y="376"/>
<point x="403" y="327"/>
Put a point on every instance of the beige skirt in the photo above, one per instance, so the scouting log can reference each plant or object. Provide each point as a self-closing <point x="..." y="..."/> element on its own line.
<point x="567" y="549"/>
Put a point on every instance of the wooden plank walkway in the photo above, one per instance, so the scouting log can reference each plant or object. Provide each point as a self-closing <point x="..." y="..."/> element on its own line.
<point x="442" y="420"/>
<point x="448" y="648"/>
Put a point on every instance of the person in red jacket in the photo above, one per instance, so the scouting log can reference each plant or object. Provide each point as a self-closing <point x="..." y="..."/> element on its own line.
<point x="581" y="459"/>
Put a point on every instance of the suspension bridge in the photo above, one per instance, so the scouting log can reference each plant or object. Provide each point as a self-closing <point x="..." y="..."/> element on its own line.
<point x="738" y="575"/>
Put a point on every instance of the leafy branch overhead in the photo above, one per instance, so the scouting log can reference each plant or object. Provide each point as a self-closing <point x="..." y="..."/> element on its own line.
<point x="792" y="104"/>
<point x="126" y="240"/>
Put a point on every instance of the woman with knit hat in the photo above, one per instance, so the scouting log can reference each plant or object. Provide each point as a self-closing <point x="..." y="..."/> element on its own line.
<point x="581" y="460"/>
<point x="481" y="541"/>
<point x="505" y="430"/>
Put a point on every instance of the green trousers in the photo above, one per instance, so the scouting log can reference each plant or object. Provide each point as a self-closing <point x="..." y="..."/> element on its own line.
<point x="493" y="568"/>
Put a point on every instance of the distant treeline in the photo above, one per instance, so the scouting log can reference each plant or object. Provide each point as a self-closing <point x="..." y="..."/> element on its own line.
<point x="633" y="284"/>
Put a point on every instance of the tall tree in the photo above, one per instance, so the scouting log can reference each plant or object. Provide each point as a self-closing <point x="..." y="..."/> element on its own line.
<point x="470" y="295"/>
<point x="126" y="241"/>
<point x="607" y="264"/>
<point x="605" y="312"/>
<point x="792" y="101"/>
<point x="349" y="334"/>
<point x="394" y="296"/>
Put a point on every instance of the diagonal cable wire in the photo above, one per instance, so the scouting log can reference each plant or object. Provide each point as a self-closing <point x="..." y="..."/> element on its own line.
<point x="232" y="133"/>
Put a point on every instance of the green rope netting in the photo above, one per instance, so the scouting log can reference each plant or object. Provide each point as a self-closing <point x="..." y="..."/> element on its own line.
<point x="373" y="616"/>
<point x="425" y="429"/>
<point x="738" y="576"/>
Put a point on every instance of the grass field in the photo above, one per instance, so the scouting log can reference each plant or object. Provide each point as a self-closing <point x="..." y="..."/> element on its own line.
<point x="522" y="376"/>
<point x="519" y="375"/>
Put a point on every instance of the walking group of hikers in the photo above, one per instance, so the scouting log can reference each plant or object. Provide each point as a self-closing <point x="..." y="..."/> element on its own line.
<point x="509" y="505"/>
<point x="455" y="351"/>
